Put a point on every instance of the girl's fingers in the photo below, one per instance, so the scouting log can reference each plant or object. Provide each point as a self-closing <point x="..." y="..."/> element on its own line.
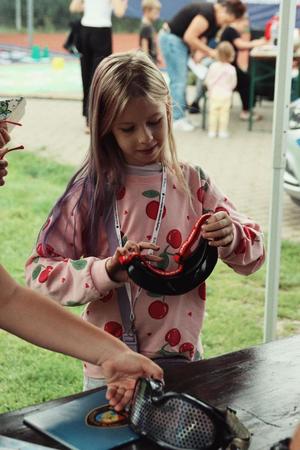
<point x="221" y="242"/>
<point x="220" y="233"/>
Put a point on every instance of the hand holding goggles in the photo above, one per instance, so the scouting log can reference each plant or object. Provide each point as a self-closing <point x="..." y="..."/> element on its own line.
<point x="193" y="267"/>
<point x="180" y="421"/>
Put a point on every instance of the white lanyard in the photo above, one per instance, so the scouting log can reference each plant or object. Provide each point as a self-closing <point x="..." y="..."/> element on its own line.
<point x="154" y="236"/>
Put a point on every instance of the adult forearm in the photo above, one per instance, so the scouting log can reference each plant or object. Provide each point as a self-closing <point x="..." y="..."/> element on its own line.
<point x="119" y="7"/>
<point x="41" y="321"/>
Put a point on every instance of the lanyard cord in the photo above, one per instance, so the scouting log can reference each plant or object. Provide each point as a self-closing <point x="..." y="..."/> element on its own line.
<point x="154" y="236"/>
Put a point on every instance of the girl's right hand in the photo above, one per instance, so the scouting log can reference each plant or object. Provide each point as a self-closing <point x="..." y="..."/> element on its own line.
<point x="116" y="271"/>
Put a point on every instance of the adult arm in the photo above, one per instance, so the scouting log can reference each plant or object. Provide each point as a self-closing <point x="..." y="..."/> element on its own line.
<point x="76" y="6"/>
<point x="242" y="44"/>
<point x="42" y="322"/>
<point x="192" y="36"/>
<point x="119" y="7"/>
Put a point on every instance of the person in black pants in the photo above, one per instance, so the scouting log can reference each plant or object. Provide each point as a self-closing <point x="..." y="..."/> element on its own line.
<point x="95" y="39"/>
<point x="232" y="34"/>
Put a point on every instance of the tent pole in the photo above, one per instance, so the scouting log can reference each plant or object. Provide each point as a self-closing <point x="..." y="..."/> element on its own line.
<point x="30" y="22"/>
<point x="287" y="16"/>
<point x="18" y="15"/>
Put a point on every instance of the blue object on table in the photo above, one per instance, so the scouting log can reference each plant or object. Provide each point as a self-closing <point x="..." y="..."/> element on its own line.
<point x="87" y="422"/>
<point x="6" y="442"/>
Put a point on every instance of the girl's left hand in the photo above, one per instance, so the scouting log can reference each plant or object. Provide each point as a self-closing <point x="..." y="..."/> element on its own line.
<point x="3" y="171"/>
<point x="218" y="229"/>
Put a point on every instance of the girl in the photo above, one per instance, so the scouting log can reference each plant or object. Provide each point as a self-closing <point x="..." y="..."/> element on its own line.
<point x="132" y="189"/>
<point x="47" y="325"/>
<point x="220" y="81"/>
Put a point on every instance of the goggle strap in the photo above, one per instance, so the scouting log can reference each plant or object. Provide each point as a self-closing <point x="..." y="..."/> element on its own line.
<point x="241" y="440"/>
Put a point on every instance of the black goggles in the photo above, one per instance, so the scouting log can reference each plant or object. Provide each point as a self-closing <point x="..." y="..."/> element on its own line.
<point x="194" y="267"/>
<point x="180" y="421"/>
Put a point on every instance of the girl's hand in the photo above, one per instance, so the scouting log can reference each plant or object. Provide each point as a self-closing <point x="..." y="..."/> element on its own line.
<point x="3" y="171"/>
<point x="218" y="229"/>
<point x="115" y="270"/>
<point x="121" y="373"/>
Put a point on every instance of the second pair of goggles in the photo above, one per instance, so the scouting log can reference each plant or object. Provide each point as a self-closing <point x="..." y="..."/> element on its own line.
<point x="180" y="421"/>
<point x="194" y="267"/>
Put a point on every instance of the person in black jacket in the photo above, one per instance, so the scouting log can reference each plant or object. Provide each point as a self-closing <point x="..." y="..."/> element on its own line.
<point x="232" y="34"/>
<point x="190" y="30"/>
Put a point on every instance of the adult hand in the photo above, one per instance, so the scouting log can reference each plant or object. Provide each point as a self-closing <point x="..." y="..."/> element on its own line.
<point x="295" y="443"/>
<point x="116" y="271"/>
<point x="4" y="136"/>
<point x="3" y="171"/>
<point x="218" y="229"/>
<point x="122" y="371"/>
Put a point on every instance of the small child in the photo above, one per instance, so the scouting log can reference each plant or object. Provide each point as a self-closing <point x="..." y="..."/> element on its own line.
<point x="133" y="195"/>
<point x="147" y="41"/>
<point x="220" y="80"/>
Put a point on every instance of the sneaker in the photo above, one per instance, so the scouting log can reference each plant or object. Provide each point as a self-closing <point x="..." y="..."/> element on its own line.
<point x="224" y="134"/>
<point x="194" y="108"/>
<point x="183" y="125"/>
<point x="211" y="134"/>
<point x="246" y="114"/>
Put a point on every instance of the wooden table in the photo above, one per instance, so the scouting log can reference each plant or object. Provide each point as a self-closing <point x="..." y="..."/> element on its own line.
<point x="262" y="383"/>
<point x="262" y="70"/>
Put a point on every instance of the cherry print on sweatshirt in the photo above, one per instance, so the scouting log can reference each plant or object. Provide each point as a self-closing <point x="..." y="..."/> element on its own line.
<point x="174" y="238"/>
<point x="250" y="234"/>
<point x="121" y="193"/>
<point x="158" y="309"/>
<point x="44" y="275"/>
<point x="113" y="328"/>
<point x="202" y="291"/>
<point x="187" y="347"/>
<point x="173" y="337"/>
<point x="153" y="206"/>
<point x="46" y="250"/>
<point x="241" y="247"/>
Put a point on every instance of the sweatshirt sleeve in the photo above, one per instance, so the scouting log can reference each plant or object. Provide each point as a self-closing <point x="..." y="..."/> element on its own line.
<point x="246" y="252"/>
<point x="54" y="270"/>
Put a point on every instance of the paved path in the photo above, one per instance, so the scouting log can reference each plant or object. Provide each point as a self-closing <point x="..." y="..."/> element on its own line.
<point x="241" y="165"/>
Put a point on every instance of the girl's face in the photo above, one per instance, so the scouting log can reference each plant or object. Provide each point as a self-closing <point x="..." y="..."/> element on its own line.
<point x="141" y="131"/>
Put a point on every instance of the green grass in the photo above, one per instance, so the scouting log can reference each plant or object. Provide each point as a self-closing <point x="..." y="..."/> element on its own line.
<point x="235" y="305"/>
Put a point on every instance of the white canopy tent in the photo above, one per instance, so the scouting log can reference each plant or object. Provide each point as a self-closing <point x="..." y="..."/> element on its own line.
<point x="287" y="14"/>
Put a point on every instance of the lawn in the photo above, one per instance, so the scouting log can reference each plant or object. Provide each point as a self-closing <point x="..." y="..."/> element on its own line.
<point x="235" y="305"/>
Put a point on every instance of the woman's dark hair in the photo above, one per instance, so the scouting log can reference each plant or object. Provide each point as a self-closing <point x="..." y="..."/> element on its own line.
<point x="235" y="7"/>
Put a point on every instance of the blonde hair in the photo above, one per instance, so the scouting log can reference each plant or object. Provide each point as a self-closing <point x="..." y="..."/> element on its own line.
<point x="225" y="52"/>
<point x="150" y="4"/>
<point x="117" y="79"/>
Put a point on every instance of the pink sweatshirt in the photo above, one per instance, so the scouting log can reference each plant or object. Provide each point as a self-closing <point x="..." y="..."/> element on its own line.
<point x="220" y="80"/>
<point x="165" y="325"/>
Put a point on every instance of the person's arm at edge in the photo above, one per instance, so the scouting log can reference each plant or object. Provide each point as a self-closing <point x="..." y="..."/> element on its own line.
<point x="241" y="44"/>
<point x="41" y="321"/>
<point x="145" y="46"/>
<point x="76" y="6"/>
<point x="191" y="36"/>
<point x="119" y="7"/>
